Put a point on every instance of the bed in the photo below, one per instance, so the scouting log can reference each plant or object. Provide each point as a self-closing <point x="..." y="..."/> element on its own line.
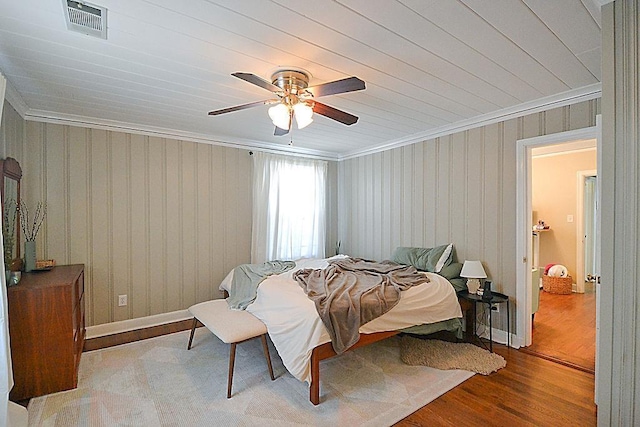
<point x="301" y="339"/>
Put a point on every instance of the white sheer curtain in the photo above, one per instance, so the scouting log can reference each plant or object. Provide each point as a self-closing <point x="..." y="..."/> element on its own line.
<point x="288" y="208"/>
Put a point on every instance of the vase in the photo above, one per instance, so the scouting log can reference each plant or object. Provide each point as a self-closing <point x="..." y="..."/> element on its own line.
<point x="29" y="255"/>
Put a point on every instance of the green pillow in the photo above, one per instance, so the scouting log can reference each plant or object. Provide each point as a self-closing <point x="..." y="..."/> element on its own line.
<point x="451" y="271"/>
<point x="452" y="274"/>
<point x="425" y="259"/>
<point x="459" y="284"/>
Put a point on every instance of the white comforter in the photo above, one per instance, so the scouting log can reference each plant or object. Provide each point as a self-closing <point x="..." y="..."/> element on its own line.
<point x="295" y="327"/>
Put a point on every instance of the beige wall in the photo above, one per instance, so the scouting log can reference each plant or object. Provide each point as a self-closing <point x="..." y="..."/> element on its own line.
<point x="460" y="188"/>
<point x="617" y="364"/>
<point x="11" y="133"/>
<point x="164" y="220"/>
<point x="160" y="220"/>
<point x="554" y="189"/>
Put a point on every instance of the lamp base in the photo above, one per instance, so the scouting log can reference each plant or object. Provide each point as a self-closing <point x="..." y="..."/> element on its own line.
<point x="473" y="285"/>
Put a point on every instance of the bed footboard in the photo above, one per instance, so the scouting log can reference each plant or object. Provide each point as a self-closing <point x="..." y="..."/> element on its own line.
<point x="325" y="351"/>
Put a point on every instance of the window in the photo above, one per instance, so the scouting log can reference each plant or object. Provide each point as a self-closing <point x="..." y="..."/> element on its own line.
<point x="288" y="208"/>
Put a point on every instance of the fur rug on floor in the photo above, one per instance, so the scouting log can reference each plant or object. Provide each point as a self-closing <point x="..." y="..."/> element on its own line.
<point x="449" y="355"/>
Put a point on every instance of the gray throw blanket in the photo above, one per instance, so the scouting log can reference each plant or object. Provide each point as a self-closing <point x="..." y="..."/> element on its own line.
<point x="247" y="277"/>
<point x="351" y="292"/>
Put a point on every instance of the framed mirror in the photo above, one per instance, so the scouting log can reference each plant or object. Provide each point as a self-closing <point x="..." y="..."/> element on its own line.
<point x="9" y="202"/>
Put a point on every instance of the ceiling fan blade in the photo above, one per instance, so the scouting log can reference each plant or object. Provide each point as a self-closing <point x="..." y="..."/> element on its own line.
<point x="258" y="81"/>
<point x="350" y="84"/>
<point x="280" y="132"/>
<point x="241" y="107"/>
<point x="334" y="113"/>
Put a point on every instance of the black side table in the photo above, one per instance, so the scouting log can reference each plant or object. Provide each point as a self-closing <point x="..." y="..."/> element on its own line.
<point x="496" y="298"/>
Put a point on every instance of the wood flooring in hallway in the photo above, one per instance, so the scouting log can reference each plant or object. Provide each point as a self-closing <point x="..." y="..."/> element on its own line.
<point x="564" y="329"/>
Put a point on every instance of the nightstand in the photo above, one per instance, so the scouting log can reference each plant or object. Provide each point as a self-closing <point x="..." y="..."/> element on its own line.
<point x="496" y="298"/>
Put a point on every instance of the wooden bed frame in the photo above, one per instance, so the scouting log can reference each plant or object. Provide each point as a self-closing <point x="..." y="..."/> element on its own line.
<point x="325" y="351"/>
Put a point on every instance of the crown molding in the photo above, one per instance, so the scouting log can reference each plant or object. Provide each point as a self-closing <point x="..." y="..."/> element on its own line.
<point x="555" y="101"/>
<point x="15" y="99"/>
<point x="116" y="126"/>
<point x="559" y="100"/>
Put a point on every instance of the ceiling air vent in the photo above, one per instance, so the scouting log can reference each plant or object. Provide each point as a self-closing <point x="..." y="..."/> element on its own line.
<point x="86" y="18"/>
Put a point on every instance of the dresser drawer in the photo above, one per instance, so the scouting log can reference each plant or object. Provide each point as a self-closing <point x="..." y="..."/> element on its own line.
<point x="46" y="326"/>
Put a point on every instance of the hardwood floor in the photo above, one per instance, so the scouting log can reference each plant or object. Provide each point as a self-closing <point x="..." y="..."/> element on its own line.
<point x="529" y="391"/>
<point x="564" y="329"/>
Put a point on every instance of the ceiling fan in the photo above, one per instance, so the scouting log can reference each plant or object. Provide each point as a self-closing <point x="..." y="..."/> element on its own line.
<point x="296" y="99"/>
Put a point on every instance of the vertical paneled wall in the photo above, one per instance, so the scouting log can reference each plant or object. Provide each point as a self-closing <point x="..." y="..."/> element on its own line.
<point x="618" y="361"/>
<point x="160" y="220"/>
<point x="459" y="189"/>
<point x="11" y="133"/>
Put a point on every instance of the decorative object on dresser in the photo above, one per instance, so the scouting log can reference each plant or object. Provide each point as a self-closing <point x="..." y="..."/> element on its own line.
<point x="30" y="228"/>
<point x="473" y="272"/>
<point x="47" y="330"/>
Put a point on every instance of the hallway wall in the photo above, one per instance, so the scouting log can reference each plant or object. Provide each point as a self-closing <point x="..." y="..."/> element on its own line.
<point x="554" y="187"/>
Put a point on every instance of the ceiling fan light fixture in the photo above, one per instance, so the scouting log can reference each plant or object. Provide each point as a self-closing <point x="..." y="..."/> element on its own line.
<point x="304" y="114"/>
<point x="280" y="116"/>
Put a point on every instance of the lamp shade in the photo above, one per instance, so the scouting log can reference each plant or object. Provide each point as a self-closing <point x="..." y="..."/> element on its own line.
<point x="280" y="116"/>
<point x="473" y="269"/>
<point x="303" y="114"/>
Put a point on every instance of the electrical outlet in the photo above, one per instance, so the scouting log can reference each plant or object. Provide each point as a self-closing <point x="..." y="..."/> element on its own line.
<point x="122" y="300"/>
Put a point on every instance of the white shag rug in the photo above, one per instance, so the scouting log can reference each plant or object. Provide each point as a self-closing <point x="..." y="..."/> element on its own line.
<point x="158" y="382"/>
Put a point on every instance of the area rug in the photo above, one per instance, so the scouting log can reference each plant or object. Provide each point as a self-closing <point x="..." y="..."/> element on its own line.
<point x="158" y="382"/>
<point x="449" y="355"/>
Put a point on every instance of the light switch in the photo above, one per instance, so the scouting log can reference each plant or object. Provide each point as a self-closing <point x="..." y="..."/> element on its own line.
<point x="569" y="218"/>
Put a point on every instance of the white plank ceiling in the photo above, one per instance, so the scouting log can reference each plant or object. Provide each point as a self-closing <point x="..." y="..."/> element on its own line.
<point x="429" y="65"/>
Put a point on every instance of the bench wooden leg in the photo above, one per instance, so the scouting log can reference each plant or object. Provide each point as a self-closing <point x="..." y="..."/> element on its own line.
<point x="232" y="359"/>
<point x="265" y="347"/>
<point x="193" y="330"/>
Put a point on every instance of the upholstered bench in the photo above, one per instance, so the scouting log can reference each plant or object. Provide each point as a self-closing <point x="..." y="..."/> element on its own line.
<point x="232" y="327"/>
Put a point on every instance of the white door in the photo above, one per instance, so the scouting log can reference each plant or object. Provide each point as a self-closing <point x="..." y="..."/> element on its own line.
<point x="597" y="244"/>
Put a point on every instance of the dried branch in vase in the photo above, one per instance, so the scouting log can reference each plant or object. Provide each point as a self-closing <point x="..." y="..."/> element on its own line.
<point x="9" y="230"/>
<point x="30" y="228"/>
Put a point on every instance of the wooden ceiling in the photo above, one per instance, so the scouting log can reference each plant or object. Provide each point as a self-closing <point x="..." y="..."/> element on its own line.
<point x="430" y="65"/>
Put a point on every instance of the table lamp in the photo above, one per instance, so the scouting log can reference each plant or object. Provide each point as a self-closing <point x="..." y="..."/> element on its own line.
<point x="473" y="272"/>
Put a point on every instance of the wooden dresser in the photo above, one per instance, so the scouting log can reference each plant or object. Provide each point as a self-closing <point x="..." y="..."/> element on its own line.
<point x="47" y="329"/>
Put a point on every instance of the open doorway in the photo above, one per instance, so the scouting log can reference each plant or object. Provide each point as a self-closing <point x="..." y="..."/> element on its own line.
<point x="525" y="289"/>
<point x="563" y="320"/>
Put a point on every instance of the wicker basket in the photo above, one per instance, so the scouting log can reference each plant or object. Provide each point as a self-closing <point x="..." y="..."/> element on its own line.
<point x="557" y="285"/>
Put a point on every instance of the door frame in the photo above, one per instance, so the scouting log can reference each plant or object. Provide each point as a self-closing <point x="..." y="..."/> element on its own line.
<point x="582" y="177"/>
<point x="524" y="148"/>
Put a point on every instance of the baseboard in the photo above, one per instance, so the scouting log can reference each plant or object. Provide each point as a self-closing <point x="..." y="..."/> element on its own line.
<point x="499" y="336"/>
<point x="134" y="324"/>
